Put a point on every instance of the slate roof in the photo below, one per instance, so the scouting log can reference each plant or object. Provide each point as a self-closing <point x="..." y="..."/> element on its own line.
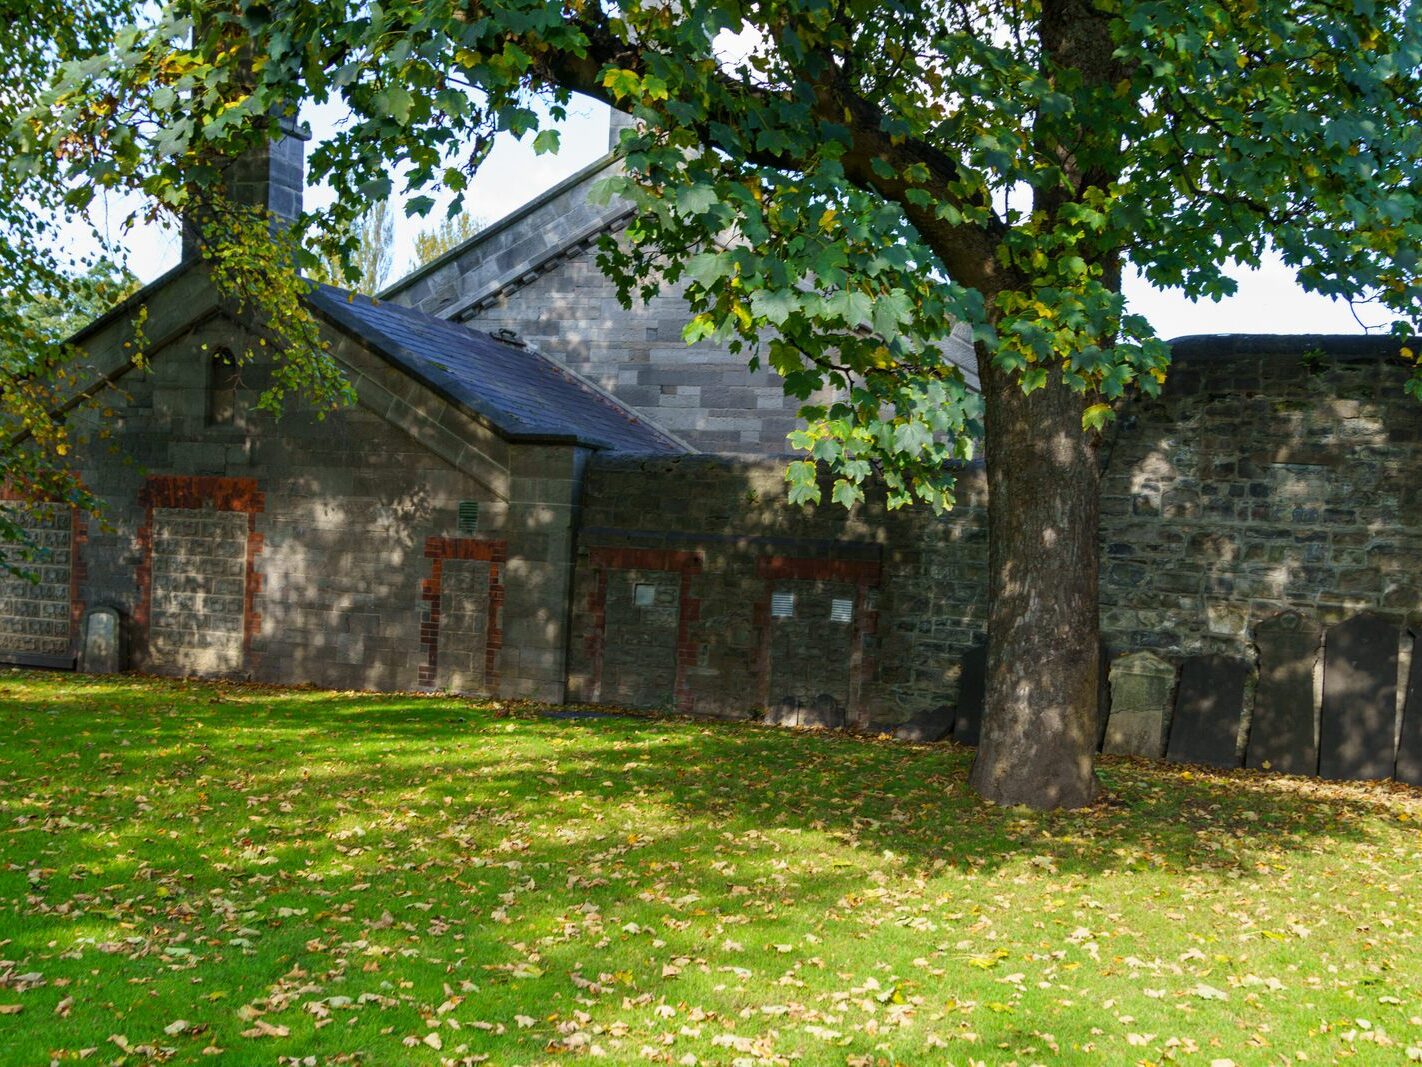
<point x="525" y="396"/>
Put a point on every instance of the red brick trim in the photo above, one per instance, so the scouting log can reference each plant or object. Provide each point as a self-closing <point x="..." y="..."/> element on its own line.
<point x="437" y="550"/>
<point x="194" y="492"/>
<point x="187" y="491"/>
<point x="78" y="574"/>
<point x="863" y="574"/>
<point x="689" y="563"/>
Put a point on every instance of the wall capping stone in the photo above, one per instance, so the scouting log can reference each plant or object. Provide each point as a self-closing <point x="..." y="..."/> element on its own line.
<point x="1233" y="347"/>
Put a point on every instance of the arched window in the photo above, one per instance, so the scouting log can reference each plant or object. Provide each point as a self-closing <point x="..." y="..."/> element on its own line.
<point x="222" y="389"/>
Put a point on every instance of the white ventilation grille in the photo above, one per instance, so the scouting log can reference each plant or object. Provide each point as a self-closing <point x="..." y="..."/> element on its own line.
<point x="468" y="517"/>
<point x="782" y="605"/>
<point x="643" y="595"/>
<point x="841" y="609"/>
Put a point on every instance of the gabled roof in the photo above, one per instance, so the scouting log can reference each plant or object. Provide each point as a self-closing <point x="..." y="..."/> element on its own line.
<point x="513" y="251"/>
<point x="523" y="395"/>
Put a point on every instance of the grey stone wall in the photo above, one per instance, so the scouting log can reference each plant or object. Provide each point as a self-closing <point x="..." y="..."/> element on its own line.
<point x="916" y="584"/>
<point x="703" y="393"/>
<point x="464" y="626"/>
<point x="639" y="667"/>
<point x="333" y="588"/>
<point x="535" y="273"/>
<point x="1267" y="477"/>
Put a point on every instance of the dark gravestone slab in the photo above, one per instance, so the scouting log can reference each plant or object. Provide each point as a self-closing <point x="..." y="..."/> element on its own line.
<point x="1103" y="695"/>
<point x="1209" y="706"/>
<point x="1359" y="720"/>
<point x="1409" y="752"/>
<point x="784" y="712"/>
<point x="972" y="695"/>
<point x="825" y="710"/>
<point x="1281" y="736"/>
<point x="932" y="725"/>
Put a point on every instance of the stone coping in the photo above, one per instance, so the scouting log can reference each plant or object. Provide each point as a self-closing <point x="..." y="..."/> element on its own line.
<point x="1226" y="347"/>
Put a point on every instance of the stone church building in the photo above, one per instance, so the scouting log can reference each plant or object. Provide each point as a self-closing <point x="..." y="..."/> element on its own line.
<point x="541" y="494"/>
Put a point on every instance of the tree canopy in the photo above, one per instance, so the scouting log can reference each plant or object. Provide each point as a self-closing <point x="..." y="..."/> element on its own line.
<point x="837" y="184"/>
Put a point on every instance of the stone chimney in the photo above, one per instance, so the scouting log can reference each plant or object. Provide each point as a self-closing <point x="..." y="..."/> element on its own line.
<point x="271" y="176"/>
<point x="617" y="122"/>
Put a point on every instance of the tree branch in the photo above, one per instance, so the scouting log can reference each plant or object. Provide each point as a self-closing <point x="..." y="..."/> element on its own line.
<point x="967" y="250"/>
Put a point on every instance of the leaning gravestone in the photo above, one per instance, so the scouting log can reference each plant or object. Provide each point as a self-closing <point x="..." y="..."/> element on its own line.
<point x="972" y="695"/>
<point x="932" y="725"/>
<point x="1208" y="711"/>
<point x="1281" y="735"/>
<point x="1141" y="687"/>
<point x="100" y="651"/>
<point x="825" y="710"/>
<point x="785" y="712"/>
<point x="1359" y="719"/>
<point x="1409" y="752"/>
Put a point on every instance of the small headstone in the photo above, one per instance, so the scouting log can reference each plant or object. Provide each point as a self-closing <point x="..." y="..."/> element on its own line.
<point x="784" y="712"/>
<point x="1281" y="735"/>
<point x="1208" y="711"/>
<point x="1359" y="721"/>
<point x="1142" y="685"/>
<point x="100" y="651"/>
<point x="972" y="695"/>
<point x="932" y="725"/>
<point x="1409" y="752"/>
<point x="824" y="711"/>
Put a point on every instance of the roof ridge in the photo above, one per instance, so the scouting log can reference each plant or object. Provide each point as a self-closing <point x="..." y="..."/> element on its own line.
<point x="501" y="224"/>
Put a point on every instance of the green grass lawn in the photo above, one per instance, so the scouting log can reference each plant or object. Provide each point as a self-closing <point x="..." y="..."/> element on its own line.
<point x="272" y="875"/>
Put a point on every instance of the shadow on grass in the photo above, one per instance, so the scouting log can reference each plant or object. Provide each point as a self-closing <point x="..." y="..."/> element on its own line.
<point x="911" y="801"/>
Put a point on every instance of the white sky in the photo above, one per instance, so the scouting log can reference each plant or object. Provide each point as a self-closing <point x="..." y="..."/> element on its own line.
<point x="1268" y="301"/>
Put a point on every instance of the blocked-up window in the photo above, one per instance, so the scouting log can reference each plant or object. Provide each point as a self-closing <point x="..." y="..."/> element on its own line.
<point x="222" y="389"/>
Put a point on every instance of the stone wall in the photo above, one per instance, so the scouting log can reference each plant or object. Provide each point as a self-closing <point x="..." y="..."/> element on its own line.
<point x="1272" y="474"/>
<point x="1268" y="477"/>
<point x="535" y="273"/>
<point x="198" y="600"/>
<point x="329" y="550"/>
<point x="703" y="393"/>
<point x="884" y="603"/>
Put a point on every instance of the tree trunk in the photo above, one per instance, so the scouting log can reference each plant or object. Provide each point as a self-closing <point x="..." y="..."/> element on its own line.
<point x="1040" y="722"/>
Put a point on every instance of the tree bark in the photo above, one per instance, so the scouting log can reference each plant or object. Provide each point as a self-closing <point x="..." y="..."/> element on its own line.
<point x="1039" y="729"/>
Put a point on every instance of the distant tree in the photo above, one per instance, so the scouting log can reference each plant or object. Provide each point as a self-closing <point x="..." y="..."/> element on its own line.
<point x="55" y="314"/>
<point x="370" y="259"/>
<point x="445" y="236"/>
<point x="43" y="298"/>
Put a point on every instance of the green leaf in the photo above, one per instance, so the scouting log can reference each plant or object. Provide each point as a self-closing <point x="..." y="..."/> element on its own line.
<point x="394" y="101"/>
<point x="696" y="199"/>
<point x="775" y="305"/>
<point x="1097" y="416"/>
